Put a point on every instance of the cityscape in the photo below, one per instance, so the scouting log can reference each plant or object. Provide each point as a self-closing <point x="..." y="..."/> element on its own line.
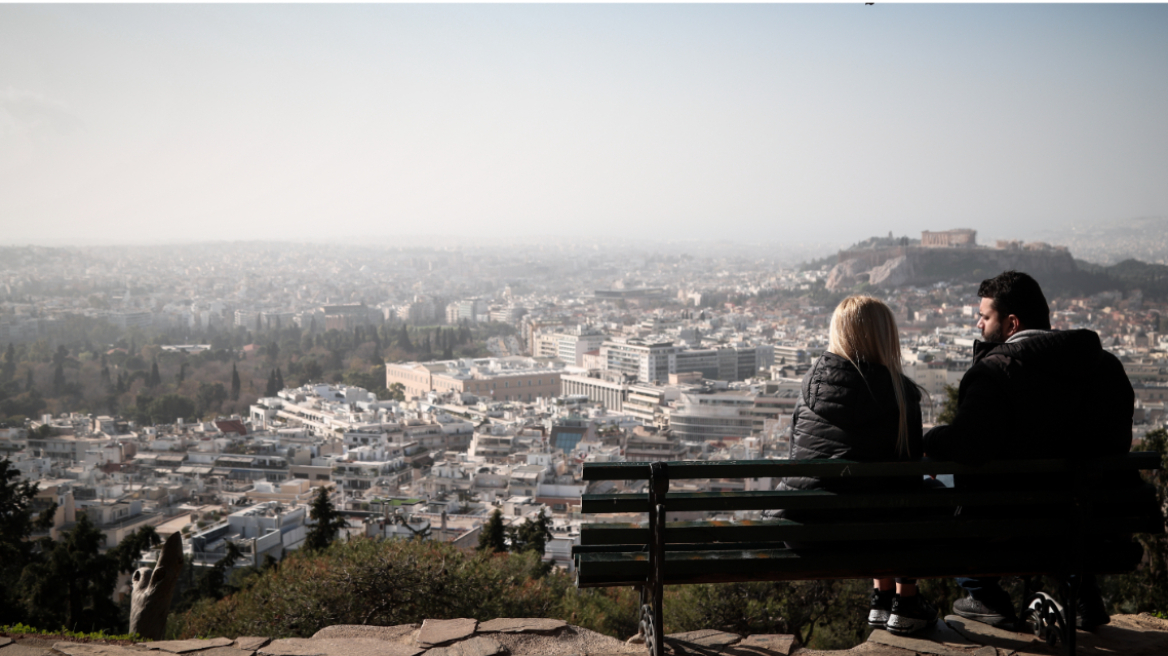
<point x="335" y="321"/>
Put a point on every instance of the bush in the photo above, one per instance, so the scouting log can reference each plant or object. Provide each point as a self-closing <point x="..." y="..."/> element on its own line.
<point x="380" y="583"/>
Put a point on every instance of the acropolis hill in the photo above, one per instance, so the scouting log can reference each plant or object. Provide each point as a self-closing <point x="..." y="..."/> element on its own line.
<point x="941" y="256"/>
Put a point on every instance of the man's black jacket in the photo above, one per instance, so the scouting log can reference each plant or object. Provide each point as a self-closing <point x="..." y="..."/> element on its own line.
<point x="1053" y="394"/>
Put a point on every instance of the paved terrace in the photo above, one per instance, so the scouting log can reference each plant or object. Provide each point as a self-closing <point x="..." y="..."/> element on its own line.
<point x="1127" y="635"/>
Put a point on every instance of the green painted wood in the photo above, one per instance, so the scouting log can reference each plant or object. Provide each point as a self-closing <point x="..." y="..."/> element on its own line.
<point x="778" y="530"/>
<point x="820" y="500"/>
<point x="982" y="559"/>
<point x="680" y="470"/>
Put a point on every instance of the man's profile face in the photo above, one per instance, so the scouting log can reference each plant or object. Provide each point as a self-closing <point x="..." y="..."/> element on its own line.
<point x="989" y="322"/>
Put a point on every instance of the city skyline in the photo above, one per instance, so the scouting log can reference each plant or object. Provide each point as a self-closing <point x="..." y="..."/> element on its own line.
<point x="773" y="123"/>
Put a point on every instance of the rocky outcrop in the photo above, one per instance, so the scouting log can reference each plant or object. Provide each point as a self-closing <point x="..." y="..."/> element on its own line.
<point x="925" y="266"/>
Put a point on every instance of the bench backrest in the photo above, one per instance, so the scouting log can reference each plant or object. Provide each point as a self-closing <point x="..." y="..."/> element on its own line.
<point x="1063" y="514"/>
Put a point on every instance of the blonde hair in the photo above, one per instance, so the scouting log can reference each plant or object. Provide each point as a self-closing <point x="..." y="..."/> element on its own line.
<point x="863" y="328"/>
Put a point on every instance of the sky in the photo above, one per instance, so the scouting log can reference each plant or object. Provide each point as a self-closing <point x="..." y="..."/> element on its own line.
<point x="750" y="123"/>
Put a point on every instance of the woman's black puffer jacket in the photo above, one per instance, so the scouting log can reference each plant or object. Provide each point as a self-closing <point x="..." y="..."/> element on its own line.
<point x="849" y="412"/>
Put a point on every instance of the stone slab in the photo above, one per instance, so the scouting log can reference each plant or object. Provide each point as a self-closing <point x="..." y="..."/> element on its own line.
<point x="439" y="632"/>
<point x="921" y="643"/>
<point x="711" y="638"/>
<point x="397" y="633"/>
<point x="4" y="642"/>
<point x="186" y="646"/>
<point x="224" y="651"/>
<point x="765" y="644"/>
<point x="476" y="646"/>
<point x="984" y="634"/>
<point x="95" y="649"/>
<point x="572" y="641"/>
<point x="251" y="643"/>
<point x="522" y="625"/>
<point x="27" y="648"/>
<point x="336" y="647"/>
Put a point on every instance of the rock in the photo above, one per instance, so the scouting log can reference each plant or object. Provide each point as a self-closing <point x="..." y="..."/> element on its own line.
<point x="438" y="632"/>
<point x="398" y="633"/>
<point x="336" y="647"/>
<point x="893" y="273"/>
<point x="522" y="625"/>
<point x="5" y="642"/>
<point x="224" y="651"/>
<point x="638" y="639"/>
<point x="922" y="642"/>
<point x="251" y="643"/>
<point x="185" y="646"/>
<point x="151" y="590"/>
<point x="94" y="649"/>
<point x="711" y="638"/>
<point x="476" y="646"/>
<point x="984" y="634"/>
<point x="767" y="645"/>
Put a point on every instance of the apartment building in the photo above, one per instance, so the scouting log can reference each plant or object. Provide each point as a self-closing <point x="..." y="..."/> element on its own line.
<point x="498" y="379"/>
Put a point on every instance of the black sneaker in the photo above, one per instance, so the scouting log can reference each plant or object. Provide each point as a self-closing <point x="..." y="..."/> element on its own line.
<point x="994" y="615"/>
<point x="910" y="614"/>
<point x="880" y="607"/>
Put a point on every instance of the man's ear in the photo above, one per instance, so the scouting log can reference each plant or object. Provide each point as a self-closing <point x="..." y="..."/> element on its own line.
<point x="1010" y="325"/>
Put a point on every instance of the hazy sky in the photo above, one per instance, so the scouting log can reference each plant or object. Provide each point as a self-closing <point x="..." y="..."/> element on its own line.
<point x="745" y="122"/>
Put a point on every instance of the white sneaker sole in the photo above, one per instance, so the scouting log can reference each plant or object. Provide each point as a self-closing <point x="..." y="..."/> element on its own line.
<point x="877" y="618"/>
<point x="898" y="625"/>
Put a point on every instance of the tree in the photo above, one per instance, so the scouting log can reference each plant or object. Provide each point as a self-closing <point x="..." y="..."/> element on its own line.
<point x="209" y="397"/>
<point x="59" y="379"/>
<point x="1146" y="589"/>
<point x="17" y="522"/>
<point x="279" y="380"/>
<point x="28" y="379"/>
<point x="403" y="339"/>
<point x="532" y="535"/>
<point x="272" y="387"/>
<point x="182" y="374"/>
<point x="328" y="521"/>
<point x="397" y="392"/>
<point x="235" y="384"/>
<point x="155" y="379"/>
<point x="949" y="407"/>
<point x="8" y="367"/>
<point x="493" y="538"/>
<point x="273" y="351"/>
<point x="73" y="586"/>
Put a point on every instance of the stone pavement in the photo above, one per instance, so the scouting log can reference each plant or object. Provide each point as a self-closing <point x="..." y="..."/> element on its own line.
<point x="1129" y="635"/>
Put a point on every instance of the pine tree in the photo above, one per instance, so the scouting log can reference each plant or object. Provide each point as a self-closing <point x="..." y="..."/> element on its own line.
<point x="279" y="380"/>
<point x="235" y="384"/>
<point x="105" y="376"/>
<point x="271" y="388"/>
<point x="492" y="538"/>
<point x="182" y="374"/>
<point x="120" y="387"/>
<point x="403" y="339"/>
<point x="155" y="377"/>
<point x="328" y="521"/>
<point x="59" y="379"/>
<point x="8" y="368"/>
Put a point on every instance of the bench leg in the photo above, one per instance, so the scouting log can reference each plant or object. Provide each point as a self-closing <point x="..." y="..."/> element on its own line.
<point x="1071" y="611"/>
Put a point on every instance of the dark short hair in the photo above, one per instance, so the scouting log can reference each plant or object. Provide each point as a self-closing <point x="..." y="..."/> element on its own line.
<point x="1016" y="293"/>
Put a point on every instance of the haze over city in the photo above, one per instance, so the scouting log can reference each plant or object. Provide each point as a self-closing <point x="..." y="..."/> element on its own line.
<point x="759" y="123"/>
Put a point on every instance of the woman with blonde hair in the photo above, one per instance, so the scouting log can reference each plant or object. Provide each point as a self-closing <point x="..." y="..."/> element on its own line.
<point x="857" y="404"/>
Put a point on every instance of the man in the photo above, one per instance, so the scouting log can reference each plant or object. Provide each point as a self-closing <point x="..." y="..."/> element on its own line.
<point x="1032" y="392"/>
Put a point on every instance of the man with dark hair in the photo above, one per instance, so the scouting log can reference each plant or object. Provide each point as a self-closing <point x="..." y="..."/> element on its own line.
<point x="1032" y="392"/>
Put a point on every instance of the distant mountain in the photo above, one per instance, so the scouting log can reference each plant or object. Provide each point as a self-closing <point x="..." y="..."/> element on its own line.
<point x="1144" y="239"/>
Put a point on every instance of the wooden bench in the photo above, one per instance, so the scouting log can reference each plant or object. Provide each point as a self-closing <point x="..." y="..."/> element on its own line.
<point x="1074" y="529"/>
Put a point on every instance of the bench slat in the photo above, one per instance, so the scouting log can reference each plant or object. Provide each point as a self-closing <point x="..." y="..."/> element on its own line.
<point x="780" y="530"/>
<point x="703" y="565"/>
<point x="678" y="470"/>
<point x="821" y="500"/>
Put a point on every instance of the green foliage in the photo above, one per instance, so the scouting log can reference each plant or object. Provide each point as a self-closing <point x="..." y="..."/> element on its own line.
<point x="823" y="614"/>
<point x="949" y="407"/>
<point x="380" y="583"/>
<point x="532" y="535"/>
<point x="73" y="585"/>
<point x="493" y="535"/>
<point x="17" y="523"/>
<point x="24" y="629"/>
<point x="1146" y="589"/>
<point x="328" y="521"/>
